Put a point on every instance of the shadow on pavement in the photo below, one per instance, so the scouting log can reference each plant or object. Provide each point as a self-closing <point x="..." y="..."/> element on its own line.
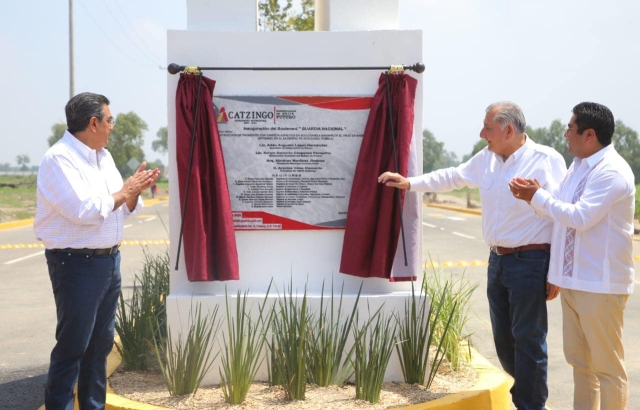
<point x="24" y="389"/>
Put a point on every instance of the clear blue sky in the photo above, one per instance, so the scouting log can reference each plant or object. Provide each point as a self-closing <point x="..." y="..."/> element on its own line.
<point x="546" y="55"/>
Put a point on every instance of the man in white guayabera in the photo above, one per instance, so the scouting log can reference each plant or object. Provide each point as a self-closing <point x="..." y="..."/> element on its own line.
<point x="591" y="255"/>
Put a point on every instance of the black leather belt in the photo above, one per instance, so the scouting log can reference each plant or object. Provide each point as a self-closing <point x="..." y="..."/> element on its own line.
<point x="499" y="250"/>
<point x="87" y="251"/>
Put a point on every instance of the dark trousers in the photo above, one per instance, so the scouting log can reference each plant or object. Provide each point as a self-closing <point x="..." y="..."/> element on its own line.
<point x="86" y="290"/>
<point x="516" y="290"/>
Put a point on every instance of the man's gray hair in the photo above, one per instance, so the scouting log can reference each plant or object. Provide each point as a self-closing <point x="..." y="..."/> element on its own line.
<point x="81" y="108"/>
<point x="508" y="113"/>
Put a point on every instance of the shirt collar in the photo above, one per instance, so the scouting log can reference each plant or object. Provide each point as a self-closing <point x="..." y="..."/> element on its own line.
<point x="84" y="151"/>
<point x="528" y="144"/>
<point x="598" y="156"/>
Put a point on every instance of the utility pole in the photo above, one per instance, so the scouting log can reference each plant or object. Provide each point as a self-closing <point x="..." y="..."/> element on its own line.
<point x="71" y="70"/>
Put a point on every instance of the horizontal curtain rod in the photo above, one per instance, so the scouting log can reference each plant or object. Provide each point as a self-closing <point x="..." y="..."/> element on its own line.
<point x="174" y="68"/>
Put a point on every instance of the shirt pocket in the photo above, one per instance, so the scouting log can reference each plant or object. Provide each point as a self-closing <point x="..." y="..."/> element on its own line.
<point x="485" y="181"/>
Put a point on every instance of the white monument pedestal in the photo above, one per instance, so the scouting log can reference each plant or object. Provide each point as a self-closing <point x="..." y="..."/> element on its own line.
<point x="300" y="257"/>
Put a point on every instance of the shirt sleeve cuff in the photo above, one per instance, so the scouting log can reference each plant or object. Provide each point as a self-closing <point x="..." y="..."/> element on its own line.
<point x="539" y="199"/>
<point x="138" y="208"/>
<point x="415" y="184"/>
<point x="107" y="206"/>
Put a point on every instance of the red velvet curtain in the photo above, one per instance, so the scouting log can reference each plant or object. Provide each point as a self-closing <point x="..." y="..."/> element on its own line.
<point x="373" y="218"/>
<point x="208" y="238"/>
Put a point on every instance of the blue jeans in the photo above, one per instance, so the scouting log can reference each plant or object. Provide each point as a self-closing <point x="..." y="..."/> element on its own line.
<point x="86" y="290"/>
<point x="516" y="290"/>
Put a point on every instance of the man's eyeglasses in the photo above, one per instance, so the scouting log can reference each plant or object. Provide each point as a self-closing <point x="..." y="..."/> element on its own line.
<point x="111" y="121"/>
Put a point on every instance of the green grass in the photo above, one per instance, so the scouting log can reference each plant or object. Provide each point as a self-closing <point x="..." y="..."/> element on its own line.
<point x="17" y="197"/>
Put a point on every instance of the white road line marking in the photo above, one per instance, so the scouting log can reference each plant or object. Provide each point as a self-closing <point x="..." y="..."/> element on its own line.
<point x="455" y="218"/>
<point x="442" y="229"/>
<point x="463" y="235"/>
<point x="25" y="257"/>
<point x="150" y="219"/>
<point x="128" y="226"/>
<point x="429" y="225"/>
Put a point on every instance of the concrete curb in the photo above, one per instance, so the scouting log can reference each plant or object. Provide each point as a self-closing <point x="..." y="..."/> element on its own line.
<point x="456" y="208"/>
<point x="491" y="391"/>
<point x="15" y="224"/>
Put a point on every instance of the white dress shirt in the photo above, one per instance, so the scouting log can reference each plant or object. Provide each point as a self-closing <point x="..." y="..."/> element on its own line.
<point x="74" y="196"/>
<point x="506" y="221"/>
<point x="603" y="219"/>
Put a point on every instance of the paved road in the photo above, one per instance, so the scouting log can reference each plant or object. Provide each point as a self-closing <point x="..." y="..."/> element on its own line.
<point x="27" y="310"/>
<point x="27" y="314"/>
<point x="456" y="237"/>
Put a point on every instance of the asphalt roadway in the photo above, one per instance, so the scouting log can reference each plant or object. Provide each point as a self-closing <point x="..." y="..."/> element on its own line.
<point x="453" y="239"/>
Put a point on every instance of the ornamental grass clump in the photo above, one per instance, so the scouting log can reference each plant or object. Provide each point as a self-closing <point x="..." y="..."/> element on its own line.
<point x="290" y="327"/>
<point x="243" y="348"/>
<point x="147" y="305"/>
<point x="374" y="345"/>
<point x="455" y="308"/>
<point x="328" y="361"/>
<point x="185" y="361"/>
<point x="274" y="376"/>
<point x="414" y="338"/>
<point x="417" y="335"/>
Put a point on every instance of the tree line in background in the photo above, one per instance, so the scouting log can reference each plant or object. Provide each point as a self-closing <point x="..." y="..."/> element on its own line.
<point x="625" y="140"/>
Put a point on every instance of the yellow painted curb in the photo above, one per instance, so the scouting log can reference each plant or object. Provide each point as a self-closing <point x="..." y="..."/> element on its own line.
<point x="16" y="224"/>
<point x="456" y="208"/>
<point x="491" y="391"/>
<point x="155" y="200"/>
